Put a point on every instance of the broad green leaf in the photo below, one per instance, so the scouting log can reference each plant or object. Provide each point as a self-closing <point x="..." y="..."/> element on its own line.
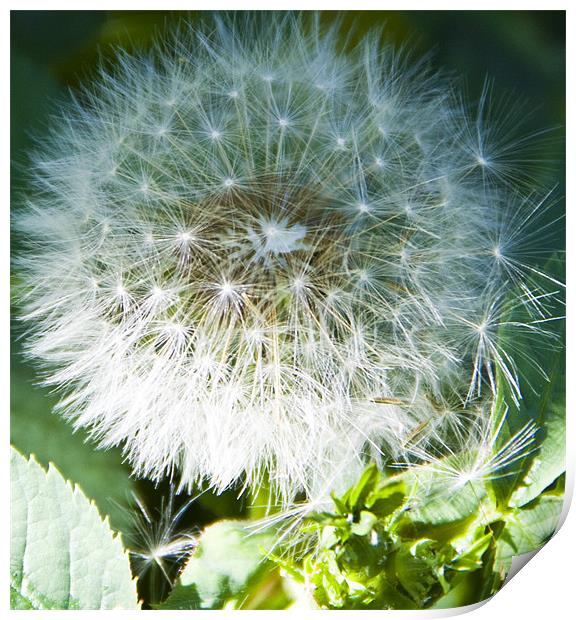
<point x="438" y="503"/>
<point x="550" y="461"/>
<point x="228" y="560"/>
<point x="471" y="558"/>
<point x="329" y="537"/>
<point x="542" y="403"/>
<point x="63" y="555"/>
<point x="508" y="418"/>
<point x="416" y="575"/>
<point x="463" y="591"/>
<point x="528" y="528"/>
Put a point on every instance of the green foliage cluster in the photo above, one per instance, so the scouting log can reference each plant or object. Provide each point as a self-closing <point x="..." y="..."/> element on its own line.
<point x="375" y="552"/>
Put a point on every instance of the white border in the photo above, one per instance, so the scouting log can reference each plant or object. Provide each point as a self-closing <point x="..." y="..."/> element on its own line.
<point x="545" y="586"/>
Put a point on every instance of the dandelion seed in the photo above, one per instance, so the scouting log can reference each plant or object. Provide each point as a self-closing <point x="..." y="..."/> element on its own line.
<point x="482" y="161"/>
<point x="185" y="238"/>
<point x="158" y="545"/>
<point x="226" y="289"/>
<point x="298" y="285"/>
<point x="363" y="207"/>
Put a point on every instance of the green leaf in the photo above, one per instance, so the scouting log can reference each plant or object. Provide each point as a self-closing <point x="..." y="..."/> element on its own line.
<point x="550" y="461"/>
<point x="507" y="419"/>
<point x="436" y="503"/>
<point x="528" y="528"/>
<point x="542" y="403"/>
<point x="356" y="497"/>
<point x="471" y="558"/>
<point x="227" y="562"/>
<point x="463" y="591"/>
<point x="415" y="575"/>
<point x="63" y="555"/>
<point x="387" y="498"/>
<point x="365" y="525"/>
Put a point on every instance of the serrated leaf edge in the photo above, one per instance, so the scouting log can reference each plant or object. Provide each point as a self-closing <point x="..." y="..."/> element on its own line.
<point x="78" y="491"/>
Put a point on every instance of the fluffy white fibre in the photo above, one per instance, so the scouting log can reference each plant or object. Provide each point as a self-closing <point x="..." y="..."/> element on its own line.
<point x="253" y="254"/>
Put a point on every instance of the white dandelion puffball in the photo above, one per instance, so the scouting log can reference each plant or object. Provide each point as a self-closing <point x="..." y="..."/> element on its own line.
<point x="250" y="254"/>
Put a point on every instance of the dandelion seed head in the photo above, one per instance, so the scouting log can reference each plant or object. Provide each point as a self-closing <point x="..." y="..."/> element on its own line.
<point x="286" y="280"/>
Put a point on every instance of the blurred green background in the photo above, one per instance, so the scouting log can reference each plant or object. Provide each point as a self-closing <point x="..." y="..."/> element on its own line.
<point x="52" y="51"/>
